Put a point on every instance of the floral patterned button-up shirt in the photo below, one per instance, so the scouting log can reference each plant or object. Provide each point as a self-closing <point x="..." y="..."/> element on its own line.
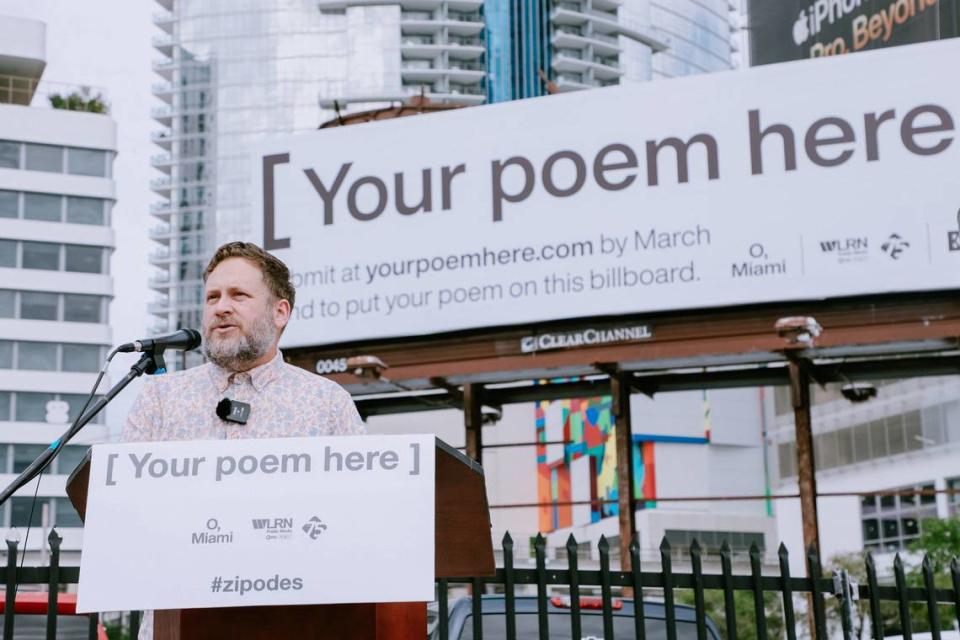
<point x="285" y="401"/>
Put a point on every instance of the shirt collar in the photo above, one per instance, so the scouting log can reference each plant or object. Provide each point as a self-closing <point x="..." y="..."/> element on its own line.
<point x="259" y="377"/>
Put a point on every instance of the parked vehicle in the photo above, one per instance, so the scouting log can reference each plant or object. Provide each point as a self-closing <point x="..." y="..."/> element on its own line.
<point x="591" y="619"/>
<point x="30" y="620"/>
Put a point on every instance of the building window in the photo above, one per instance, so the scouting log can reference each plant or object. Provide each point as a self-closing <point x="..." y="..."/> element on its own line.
<point x="82" y="308"/>
<point x="41" y="255"/>
<point x="31" y="407"/>
<point x="37" y="356"/>
<point x="43" y="157"/>
<point x="85" y="211"/>
<point x="953" y="500"/>
<point x="891" y="523"/>
<point x="6" y="406"/>
<point x="9" y="204"/>
<point x="8" y="303"/>
<point x="897" y="434"/>
<point x="70" y="458"/>
<point x="42" y="206"/>
<point x="81" y="357"/>
<point x="83" y="259"/>
<point x="6" y="357"/>
<point x="87" y="162"/>
<point x="9" y="155"/>
<point x="8" y="253"/>
<point x="20" y="509"/>
<point x="65" y="515"/>
<point x="711" y="541"/>
<point x="35" y="305"/>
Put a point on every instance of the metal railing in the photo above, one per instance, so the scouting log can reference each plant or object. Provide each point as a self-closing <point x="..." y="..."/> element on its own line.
<point x="914" y="602"/>
<point x="53" y="577"/>
<point x="832" y="599"/>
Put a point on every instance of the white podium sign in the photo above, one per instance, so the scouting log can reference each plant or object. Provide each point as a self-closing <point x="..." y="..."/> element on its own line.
<point x="224" y="523"/>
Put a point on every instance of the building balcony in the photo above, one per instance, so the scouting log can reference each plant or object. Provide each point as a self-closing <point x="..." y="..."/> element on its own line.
<point x="161" y="233"/>
<point x="162" y="138"/>
<point x="164" y="44"/>
<point x="411" y="48"/>
<point x="162" y="186"/>
<point x="163" y="115"/>
<point x="162" y="161"/>
<point x="601" y="24"/>
<point x="159" y="281"/>
<point x="161" y="210"/>
<point x="602" y="44"/>
<point x="416" y="22"/>
<point x="602" y="70"/>
<point x="159" y="307"/>
<point x="164" y="20"/>
<point x="164" y="68"/>
<point x="163" y="90"/>
<point x="571" y="82"/>
<point x="160" y="256"/>
<point x="457" y="95"/>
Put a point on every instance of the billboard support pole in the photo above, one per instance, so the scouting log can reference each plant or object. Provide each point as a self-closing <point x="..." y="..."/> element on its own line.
<point x="473" y="420"/>
<point x="806" y="465"/>
<point x="622" y="420"/>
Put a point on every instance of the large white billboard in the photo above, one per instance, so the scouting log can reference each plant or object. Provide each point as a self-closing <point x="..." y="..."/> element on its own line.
<point x="800" y="181"/>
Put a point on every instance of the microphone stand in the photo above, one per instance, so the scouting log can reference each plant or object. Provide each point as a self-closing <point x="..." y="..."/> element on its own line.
<point x="150" y="362"/>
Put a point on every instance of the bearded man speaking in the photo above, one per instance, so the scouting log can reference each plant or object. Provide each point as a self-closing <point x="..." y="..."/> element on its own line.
<point x="247" y="302"/>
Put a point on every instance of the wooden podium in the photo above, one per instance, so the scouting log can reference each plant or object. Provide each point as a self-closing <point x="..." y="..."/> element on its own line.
<point x="463" y="548"/>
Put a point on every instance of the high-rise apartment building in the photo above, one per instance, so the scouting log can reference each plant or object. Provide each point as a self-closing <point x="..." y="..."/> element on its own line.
<point x="231" y="72"/>
<point x="56" y="200"/>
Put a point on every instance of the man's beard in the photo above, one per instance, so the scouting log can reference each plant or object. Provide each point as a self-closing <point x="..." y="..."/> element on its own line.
<point x="238" y="353"/>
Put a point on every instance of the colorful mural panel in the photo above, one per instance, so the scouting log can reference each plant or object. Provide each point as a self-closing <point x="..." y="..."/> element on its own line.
<point x="577" y="462"/>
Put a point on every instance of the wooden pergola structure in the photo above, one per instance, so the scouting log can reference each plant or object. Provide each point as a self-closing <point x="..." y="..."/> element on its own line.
<point x="865" y="338"/>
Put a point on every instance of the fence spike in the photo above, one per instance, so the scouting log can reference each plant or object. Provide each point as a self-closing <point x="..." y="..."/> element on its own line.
<point x="606" y="594"/>
<point x="53" y="583"/>
<point x="955" y="579"/>
<point x="666" y="565"/>
<point x="639" y="624"/>
<point x="816" y="593"/>
<point x="786" y="590"/>
<point x="876" y="619"/>
<point x="508" y="588"/>
<point x="729" y="606"/>
<point x="540" y="546"/>
<point x="13" y="541"/>
<point x="574" y="582"/>
<point x="906" y="629"/>
<point x="933" y="613"/>
<point x="699" y="605"/>
<point x="759" y="609"/>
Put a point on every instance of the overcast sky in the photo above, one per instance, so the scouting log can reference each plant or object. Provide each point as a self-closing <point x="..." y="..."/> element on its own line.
<point x="106" y="43"/>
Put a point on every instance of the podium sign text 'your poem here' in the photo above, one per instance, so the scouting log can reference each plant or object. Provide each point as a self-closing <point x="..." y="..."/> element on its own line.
<point x="284" y="521"/>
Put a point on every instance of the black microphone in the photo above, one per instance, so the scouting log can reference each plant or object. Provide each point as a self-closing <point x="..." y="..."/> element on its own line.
<point x="185" y="339"/>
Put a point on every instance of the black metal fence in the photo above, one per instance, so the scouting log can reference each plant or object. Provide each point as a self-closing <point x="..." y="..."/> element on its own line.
<point x="912" y="600"/>
<point x="836" y="598"/>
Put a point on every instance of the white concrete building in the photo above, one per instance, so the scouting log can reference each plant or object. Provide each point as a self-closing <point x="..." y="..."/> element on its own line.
<point x="907" y="437"/>
<point x="56" y="199"/>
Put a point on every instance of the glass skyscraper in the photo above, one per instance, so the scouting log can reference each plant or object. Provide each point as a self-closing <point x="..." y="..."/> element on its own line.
<point x="232" y="71"/>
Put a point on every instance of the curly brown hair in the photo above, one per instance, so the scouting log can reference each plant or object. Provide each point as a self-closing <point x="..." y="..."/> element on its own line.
<point x="276" y="275"/>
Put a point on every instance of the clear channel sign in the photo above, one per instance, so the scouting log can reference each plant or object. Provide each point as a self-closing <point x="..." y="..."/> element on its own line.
<point x="225" y="523"/>
<point x="809" y="180"/>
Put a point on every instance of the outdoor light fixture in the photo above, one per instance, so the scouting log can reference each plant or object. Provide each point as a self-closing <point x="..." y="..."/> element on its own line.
<point x="857" y="392"/>
<point x="490" y="415"/>
<point x="366" y="367"/>
<point x="798" y="331"/>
